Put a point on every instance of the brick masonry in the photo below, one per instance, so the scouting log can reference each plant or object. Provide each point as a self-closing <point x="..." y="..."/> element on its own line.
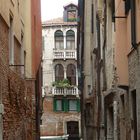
<point x="134" y="82"/>
<point x="54" y="123"/>
<point x="18" y="112"/>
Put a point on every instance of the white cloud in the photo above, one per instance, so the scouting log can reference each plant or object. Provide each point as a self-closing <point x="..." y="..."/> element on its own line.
<point x="53" y="8"/>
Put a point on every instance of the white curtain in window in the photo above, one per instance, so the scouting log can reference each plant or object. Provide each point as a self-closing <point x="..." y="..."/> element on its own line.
<point x="72" y="105"/>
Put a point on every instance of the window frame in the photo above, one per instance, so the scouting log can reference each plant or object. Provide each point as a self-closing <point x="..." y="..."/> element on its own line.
<point x="70" y="38"/>
<point x="59" y="39"/>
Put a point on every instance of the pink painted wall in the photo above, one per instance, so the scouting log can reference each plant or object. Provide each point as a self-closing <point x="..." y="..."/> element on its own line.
<point x="36" y="36"/>
<point x="123" y="40"/>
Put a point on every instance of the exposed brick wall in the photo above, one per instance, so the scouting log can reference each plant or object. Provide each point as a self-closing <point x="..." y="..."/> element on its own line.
<point x="54" y="123"/>
<point x="134" y="82"/>
<point x="18" y="114"/>
<point x="132" y="69"/>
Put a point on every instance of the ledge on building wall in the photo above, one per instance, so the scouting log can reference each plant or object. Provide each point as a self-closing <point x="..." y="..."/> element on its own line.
<point x="124" y="87"/>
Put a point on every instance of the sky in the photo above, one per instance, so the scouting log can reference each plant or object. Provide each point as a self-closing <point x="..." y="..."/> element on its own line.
<point x="53" y="8"/>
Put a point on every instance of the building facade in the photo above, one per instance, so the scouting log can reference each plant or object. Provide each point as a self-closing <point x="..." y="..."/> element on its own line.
<point x="17" y="77"/>
<point x="108" y="59"/>
<point x="61" y="100"/>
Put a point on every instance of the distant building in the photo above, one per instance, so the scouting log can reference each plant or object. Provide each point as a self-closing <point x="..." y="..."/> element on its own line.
<point x="61" y="100"/>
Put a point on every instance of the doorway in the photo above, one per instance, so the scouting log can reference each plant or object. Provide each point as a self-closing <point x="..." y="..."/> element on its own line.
<point x="73" y="130"/>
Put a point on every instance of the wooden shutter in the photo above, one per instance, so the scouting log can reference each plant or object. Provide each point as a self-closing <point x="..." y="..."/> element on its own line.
<point x="66" y="105"/>
<point x="78" y="105"/>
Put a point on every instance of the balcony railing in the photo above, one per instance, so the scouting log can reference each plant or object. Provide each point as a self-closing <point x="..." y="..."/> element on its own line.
<point x="64" y="54"/>
<point x="65" y="91"/>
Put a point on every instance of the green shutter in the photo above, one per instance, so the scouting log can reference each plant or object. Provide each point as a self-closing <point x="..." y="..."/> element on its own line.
<point x="54" y="104"/>
<point x="63" y="104"/>
<point x="66" y="105"/>
<point x="78" y="105"/>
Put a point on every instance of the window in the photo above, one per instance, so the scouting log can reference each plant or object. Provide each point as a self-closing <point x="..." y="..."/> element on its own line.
<point x="71" y="74"/>
<point x="11" y="42"/>
<point x="113" y="10"/>
<point x="59" y="72"/>
<point x="127" y="6"/>
<point x="92" y="18"/>
<point x="66" y="105"/>
<point x="70" y="39"/>
<point x="22" y="55"/>
<point x="72" y="15"/>
<point x="59" y="41"/>
<point x="58" y="104"/>
<point x="72" y="105"/>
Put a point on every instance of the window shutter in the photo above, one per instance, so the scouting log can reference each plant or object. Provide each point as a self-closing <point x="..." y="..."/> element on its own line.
<point x="66" y="105"/>
<point x="63" y="104"/>
<point x="78" y="105"/>
<point x="54" y="104"/>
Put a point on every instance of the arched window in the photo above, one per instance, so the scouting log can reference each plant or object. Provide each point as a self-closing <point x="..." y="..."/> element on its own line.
<point x="59" y="40"/>
<point x="71" y="74"/>
<point x="59" y="72"/>
<point x="70" y="39"/>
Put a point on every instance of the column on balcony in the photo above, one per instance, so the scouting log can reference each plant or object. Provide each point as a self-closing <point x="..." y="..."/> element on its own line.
<point x="53" y="76"/>
<point x="65" y="72"/>
<point x="76" y="39"/>
<point x="64" y="40"/>
<point x="65" y="44"/>
<point x="76" y="76"/>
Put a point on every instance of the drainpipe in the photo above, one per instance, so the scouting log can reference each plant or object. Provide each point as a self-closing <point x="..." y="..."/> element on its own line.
<point x="133" y="23"/>
<point x="115" y="106"/>
<point x="104" y="70"/>
<point x="81" y="62"/>
<point x="98" y="78"/>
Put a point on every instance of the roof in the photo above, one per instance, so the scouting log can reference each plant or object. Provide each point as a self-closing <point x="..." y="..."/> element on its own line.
<point x="57" y="22"/>
<point x="70" y="4"/>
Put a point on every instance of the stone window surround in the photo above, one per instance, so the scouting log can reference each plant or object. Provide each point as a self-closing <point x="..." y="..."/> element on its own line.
<point x="65" y="71"/>
<point x="64" y="35"/>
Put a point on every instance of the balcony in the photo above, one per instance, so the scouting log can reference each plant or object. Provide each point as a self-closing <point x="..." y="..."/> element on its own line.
<point x="65" y="91"/>
<point x="64" y="54"/>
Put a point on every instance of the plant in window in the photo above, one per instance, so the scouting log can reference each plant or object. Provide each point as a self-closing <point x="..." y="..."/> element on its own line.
<point x="62" y="83"/>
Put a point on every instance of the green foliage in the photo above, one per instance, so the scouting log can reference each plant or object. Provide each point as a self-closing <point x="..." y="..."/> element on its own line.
<point x="72" y="19"/>
<point x="62" y="83"/>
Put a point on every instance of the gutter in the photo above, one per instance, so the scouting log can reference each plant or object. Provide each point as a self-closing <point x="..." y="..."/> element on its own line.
<point x="81" y="60"/>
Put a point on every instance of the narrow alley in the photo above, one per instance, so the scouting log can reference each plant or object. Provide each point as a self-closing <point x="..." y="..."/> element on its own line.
<point x="70" y="70"/>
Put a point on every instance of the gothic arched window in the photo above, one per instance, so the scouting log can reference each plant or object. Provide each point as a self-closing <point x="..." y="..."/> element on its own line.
<point x="59" y="40"/>
<point x="59" y="72"/>
<point x="71" y="74"/>
<point x="70" y="40"/>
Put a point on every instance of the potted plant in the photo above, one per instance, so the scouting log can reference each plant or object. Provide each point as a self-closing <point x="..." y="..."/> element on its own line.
<point x="62" y="84"/>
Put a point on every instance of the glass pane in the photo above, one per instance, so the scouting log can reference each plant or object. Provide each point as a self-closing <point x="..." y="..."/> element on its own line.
<point x="59" y="45"/>
<point x="59" y="72"/>
<point x="58" y="33"/>
<point x="72" y="105"/>
<point x="59" y="105"/>
<point x="70" y="45"/>
<point x="71" y="74"/>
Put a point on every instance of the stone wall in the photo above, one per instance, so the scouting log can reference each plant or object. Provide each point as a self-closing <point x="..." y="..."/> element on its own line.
<point x="134" y="82"/>
<point x="17" y="117"/>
